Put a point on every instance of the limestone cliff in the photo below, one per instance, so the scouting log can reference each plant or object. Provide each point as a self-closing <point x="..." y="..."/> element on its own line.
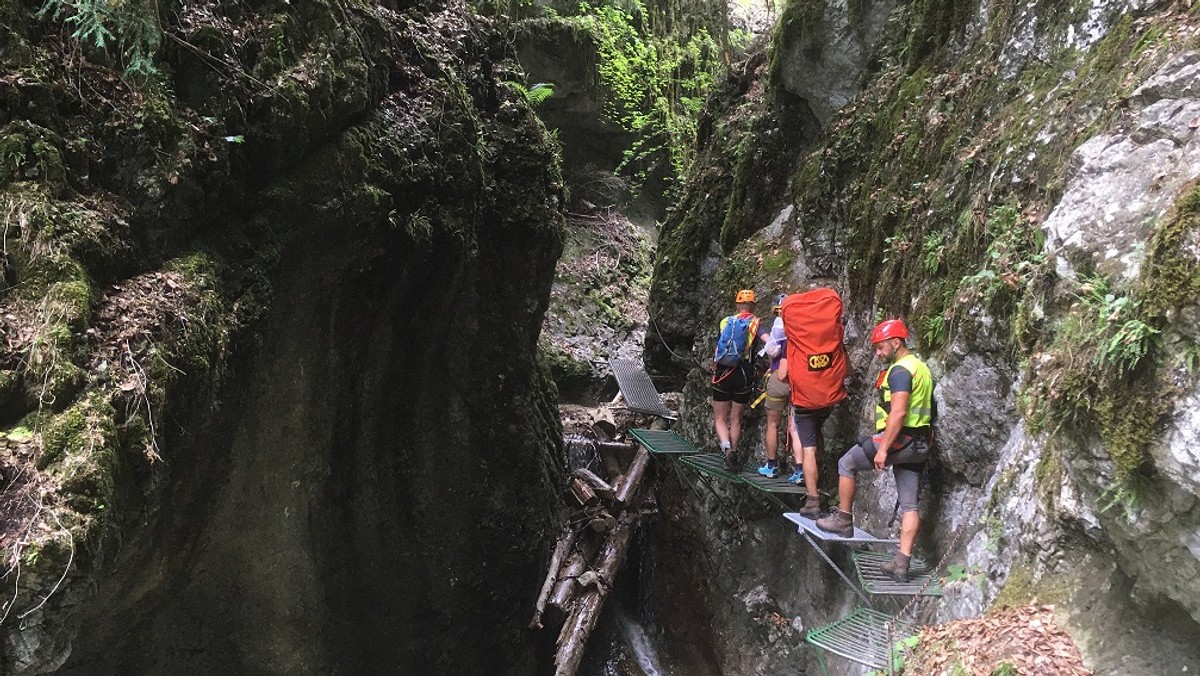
<point x="1017" y="180"/>
<point x="269" y="379"/>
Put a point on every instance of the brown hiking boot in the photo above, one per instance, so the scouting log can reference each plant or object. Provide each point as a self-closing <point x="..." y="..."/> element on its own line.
<point x="812" y="507"/>
<point x="838" y="522"/>
<point x="897" y="567"/>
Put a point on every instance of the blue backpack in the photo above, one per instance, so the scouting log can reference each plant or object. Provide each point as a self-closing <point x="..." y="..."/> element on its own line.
<point x="734" y="339"/>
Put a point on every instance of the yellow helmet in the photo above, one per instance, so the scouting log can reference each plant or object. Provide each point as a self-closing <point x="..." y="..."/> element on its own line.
<point x="744" y="296"/>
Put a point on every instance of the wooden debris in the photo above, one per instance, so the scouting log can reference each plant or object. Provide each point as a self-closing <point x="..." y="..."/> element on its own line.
<point x="583" y="493"/>
<point x="560" y="599"/>
<point x="574" y="636"/>
<point x="565" y="542"/>
<point x="632" y="478"/>
<point x="599" y="485"/>
<point x="603" y="522"/>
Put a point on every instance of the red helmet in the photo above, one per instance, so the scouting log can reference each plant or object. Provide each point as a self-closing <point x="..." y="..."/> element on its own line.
<point x="890" y="328"/>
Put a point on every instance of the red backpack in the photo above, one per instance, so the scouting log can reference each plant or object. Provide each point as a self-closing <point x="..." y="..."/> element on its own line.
<point x="816" y="352"/>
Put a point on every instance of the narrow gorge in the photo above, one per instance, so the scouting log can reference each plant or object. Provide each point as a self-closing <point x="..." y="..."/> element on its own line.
<point x="301" y="296"/>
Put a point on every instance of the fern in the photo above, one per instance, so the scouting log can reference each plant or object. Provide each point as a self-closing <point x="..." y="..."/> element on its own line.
<point x="536" y="94"/>
<point x="131" y="26"/>
<point x="539" y="93"/>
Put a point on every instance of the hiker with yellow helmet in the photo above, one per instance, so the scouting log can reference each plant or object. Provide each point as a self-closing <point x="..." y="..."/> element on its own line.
<point x="903" y="422"/>
<point x="733" y="377"/>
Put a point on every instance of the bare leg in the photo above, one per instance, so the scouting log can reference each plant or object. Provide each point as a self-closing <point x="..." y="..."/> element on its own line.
<point x="908" y="531"/>
<point x="735" y="424"/>
<point x="810" y="471"/>
<point x="846" y="494"/>
<point x="721" y="420"/>
<point x="772" y="440"/>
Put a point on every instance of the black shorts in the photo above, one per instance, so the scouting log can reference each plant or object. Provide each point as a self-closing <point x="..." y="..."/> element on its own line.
<point x="808" y="425"/>
<point x="732" y="383"/>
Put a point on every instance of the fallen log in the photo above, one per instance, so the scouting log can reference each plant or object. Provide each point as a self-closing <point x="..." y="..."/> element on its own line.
<point x="565" y="542"/>
<point x="564" y="588"/>
<point x="583" y="493"/>
<point x="614" y="446"/>
<point x="602" y="488"/>
<point x="582" y="621"/>
<point x="628" y="483"/>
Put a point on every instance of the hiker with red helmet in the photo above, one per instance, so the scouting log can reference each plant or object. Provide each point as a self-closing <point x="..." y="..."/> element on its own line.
<point x="903" y="421"/>
<point x="733" y="377"/>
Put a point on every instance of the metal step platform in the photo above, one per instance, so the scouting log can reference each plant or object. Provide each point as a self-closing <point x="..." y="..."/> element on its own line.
<point x="862" y="637"/>
<point x="860" y="536"/>
<point x="874" y="581"/>
<point x="663" y="442"/>
<point x="639" y="393"/>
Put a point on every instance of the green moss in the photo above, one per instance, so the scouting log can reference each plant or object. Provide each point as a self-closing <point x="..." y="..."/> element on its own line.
<point x="1049" y="471"/>
<point x="931" y="25"/>
<point x="1170" y="275"/>
<point x="1018" y="588"/>
<point x="564" y="369"/>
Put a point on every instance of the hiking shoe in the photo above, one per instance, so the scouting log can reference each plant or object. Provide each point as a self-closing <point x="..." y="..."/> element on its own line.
<point x="838" y="523"/>
<point x="812" y="507"/>
<point x="769" y="471"/>
<point x="797" y="477"/>
<point x="897" y="567"/>
<point x="731" y="463"/>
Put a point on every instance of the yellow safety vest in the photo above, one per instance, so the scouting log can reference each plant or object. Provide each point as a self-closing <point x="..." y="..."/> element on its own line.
<point x="920" y="400"/>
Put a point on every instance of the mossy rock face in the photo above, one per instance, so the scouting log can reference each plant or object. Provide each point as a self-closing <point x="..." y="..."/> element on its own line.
<point x="256" y="316"/>
<point x="929" y="197"/>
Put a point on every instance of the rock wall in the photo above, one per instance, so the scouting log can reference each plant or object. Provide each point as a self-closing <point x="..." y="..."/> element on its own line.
<point x="1016" y="180"/>
<point x="270" y="375"/>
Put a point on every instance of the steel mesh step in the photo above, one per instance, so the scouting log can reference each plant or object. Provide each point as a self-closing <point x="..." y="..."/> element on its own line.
<point x="874" y="581"/>
<point x="862" y="636"/>
<point x="810" y="525"/>
<point x="663" y="442"/>
<point x="636" y="388"/>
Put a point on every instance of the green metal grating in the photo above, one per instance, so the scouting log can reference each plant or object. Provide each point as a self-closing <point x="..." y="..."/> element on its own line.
<point x="709" y="463"/>
<point x="777" y="485"/>
<point x="874" y="581"/>
<point x="663" y="441"/>
<point x="862" y="637"/>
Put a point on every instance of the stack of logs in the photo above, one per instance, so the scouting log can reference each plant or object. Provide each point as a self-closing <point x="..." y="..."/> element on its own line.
<point x="588" y="554"/>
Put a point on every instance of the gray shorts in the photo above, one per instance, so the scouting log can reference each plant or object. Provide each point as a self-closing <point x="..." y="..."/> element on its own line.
<point x="808" y="426"/>
<point x="906" y="463"/>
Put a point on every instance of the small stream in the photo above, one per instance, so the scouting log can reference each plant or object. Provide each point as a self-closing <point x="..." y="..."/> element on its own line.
<point x="639" y="643"/>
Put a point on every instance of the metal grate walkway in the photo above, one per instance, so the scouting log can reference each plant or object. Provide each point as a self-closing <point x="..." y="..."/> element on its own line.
<point x="663" y="442"/>
<point x="709" y="463"/>
<point x="862" y="636"/>
<point x="874" y="581"/>
<point x="810" y="525"/>
<point x="636" y="388"/>
<point x="776" y="485"/>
